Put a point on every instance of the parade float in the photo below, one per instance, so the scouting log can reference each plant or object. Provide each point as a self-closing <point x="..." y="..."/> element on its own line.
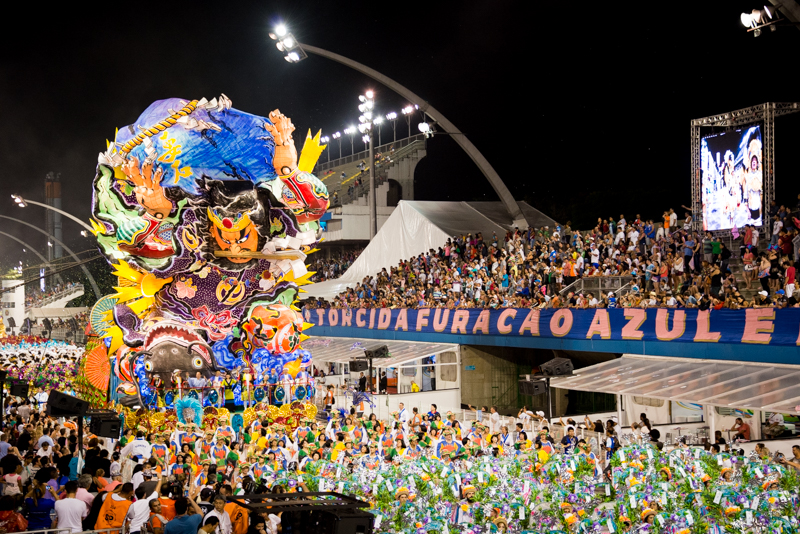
<point x="206" y="215"/>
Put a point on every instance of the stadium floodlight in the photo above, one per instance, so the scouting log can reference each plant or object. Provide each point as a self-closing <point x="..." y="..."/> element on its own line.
<point x="746" y="19"/>
<point x="378" y="120"/>
<point x="406" y="110"/>
<point x="369" y="94"/>
<point x="424" y="127"/>
<point x="349" y="130"/>
<point x="49" y="244"/>
<point x="19" y="200"/>
<point x="84" y="233"/>
<point x="392" y="117"/>
<point x="287" y="44"/>
<point x="368" y="115"/>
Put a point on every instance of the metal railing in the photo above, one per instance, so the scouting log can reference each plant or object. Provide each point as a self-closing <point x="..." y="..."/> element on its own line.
<point x="381" y="174"/>
<point x="61" y="334"/>
<point x="358" y="156"/>
<point x="597" y="284"/>
<point x="56" y="297"/>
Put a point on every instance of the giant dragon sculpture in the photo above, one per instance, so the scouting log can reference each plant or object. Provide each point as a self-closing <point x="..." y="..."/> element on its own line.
<point x="206" y="214"/>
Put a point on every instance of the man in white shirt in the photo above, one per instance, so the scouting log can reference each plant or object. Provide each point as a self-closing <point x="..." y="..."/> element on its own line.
<point x="494" y="420"/>
<point x="139" y="512"/>
<point x="402" y="413"/>
<point x="138" y="447"/>
<point x="70" y="511"/>
<point x="225" y="526"/>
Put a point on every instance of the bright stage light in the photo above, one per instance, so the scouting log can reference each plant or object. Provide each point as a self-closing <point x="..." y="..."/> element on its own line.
<point x="280" y="29"/>
<point x="746" y="20"/>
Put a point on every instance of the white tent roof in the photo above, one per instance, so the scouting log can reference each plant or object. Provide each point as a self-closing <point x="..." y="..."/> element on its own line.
<point x="416" y="227"/>
<point x="344" y="349"/>
<point x="766" y="387"/>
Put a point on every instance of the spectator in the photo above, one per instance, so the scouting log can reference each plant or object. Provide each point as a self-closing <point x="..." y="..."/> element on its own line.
<point x="70" y="510"/>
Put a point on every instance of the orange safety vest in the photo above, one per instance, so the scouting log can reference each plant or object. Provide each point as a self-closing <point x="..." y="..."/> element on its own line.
<point x="112" y="513"/>
<point x="239" y="517"/>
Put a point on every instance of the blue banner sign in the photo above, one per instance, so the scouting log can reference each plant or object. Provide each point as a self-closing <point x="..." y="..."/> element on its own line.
<point x="625" y="329"/>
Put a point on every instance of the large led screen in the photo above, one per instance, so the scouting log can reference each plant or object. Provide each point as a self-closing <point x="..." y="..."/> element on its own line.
<point x="732" y="182"/>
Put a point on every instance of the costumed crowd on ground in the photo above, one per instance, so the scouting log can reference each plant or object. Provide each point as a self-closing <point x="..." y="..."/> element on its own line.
<point x="664" y="265"/>
<point x="420" y="473"/>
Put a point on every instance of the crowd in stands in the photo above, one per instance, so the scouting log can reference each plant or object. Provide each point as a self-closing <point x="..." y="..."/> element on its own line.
<point x="35" y="297"/>
<point x="334" y="267"/>
<point x="666" y="264"/>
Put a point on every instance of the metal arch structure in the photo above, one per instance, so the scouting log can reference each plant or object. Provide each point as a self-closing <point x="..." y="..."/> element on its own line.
<point x="472" y="151"/>
<point x="95" y="288"/>
<point x="762" y="113"/>
<point x="23" y="243"/>
<point x="62" y="212"/>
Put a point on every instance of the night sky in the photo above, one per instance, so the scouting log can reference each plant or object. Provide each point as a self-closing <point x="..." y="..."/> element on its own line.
<point x="583" y="111"/>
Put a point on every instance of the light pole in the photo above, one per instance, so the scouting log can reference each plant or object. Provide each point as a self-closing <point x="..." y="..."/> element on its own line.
<point x="338" y="137"/>
<point x="23" y="202"/>
<point x="351" y="131"/>
<point x="407" y="111"/>
<point x="325" y="140"/>
<point x="299" y="51"/>
<point x="50" y="239"/>
<point x="379" y="121"/>
<point x="365" y="107"/>
<point x="392" y="117"/>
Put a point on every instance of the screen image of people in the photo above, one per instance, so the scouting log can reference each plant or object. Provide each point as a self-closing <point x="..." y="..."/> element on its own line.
<point x="732" y="183"/>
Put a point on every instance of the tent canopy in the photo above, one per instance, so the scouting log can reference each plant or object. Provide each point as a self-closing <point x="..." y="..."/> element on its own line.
<point x="344" y="349"/>
<point x="416" y="227"/>
<point x="772" y="388"/>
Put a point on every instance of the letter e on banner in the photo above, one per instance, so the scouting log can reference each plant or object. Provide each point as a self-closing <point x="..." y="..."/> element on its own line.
<point x="561" y="323"/>
<point x="758" y="325"/>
